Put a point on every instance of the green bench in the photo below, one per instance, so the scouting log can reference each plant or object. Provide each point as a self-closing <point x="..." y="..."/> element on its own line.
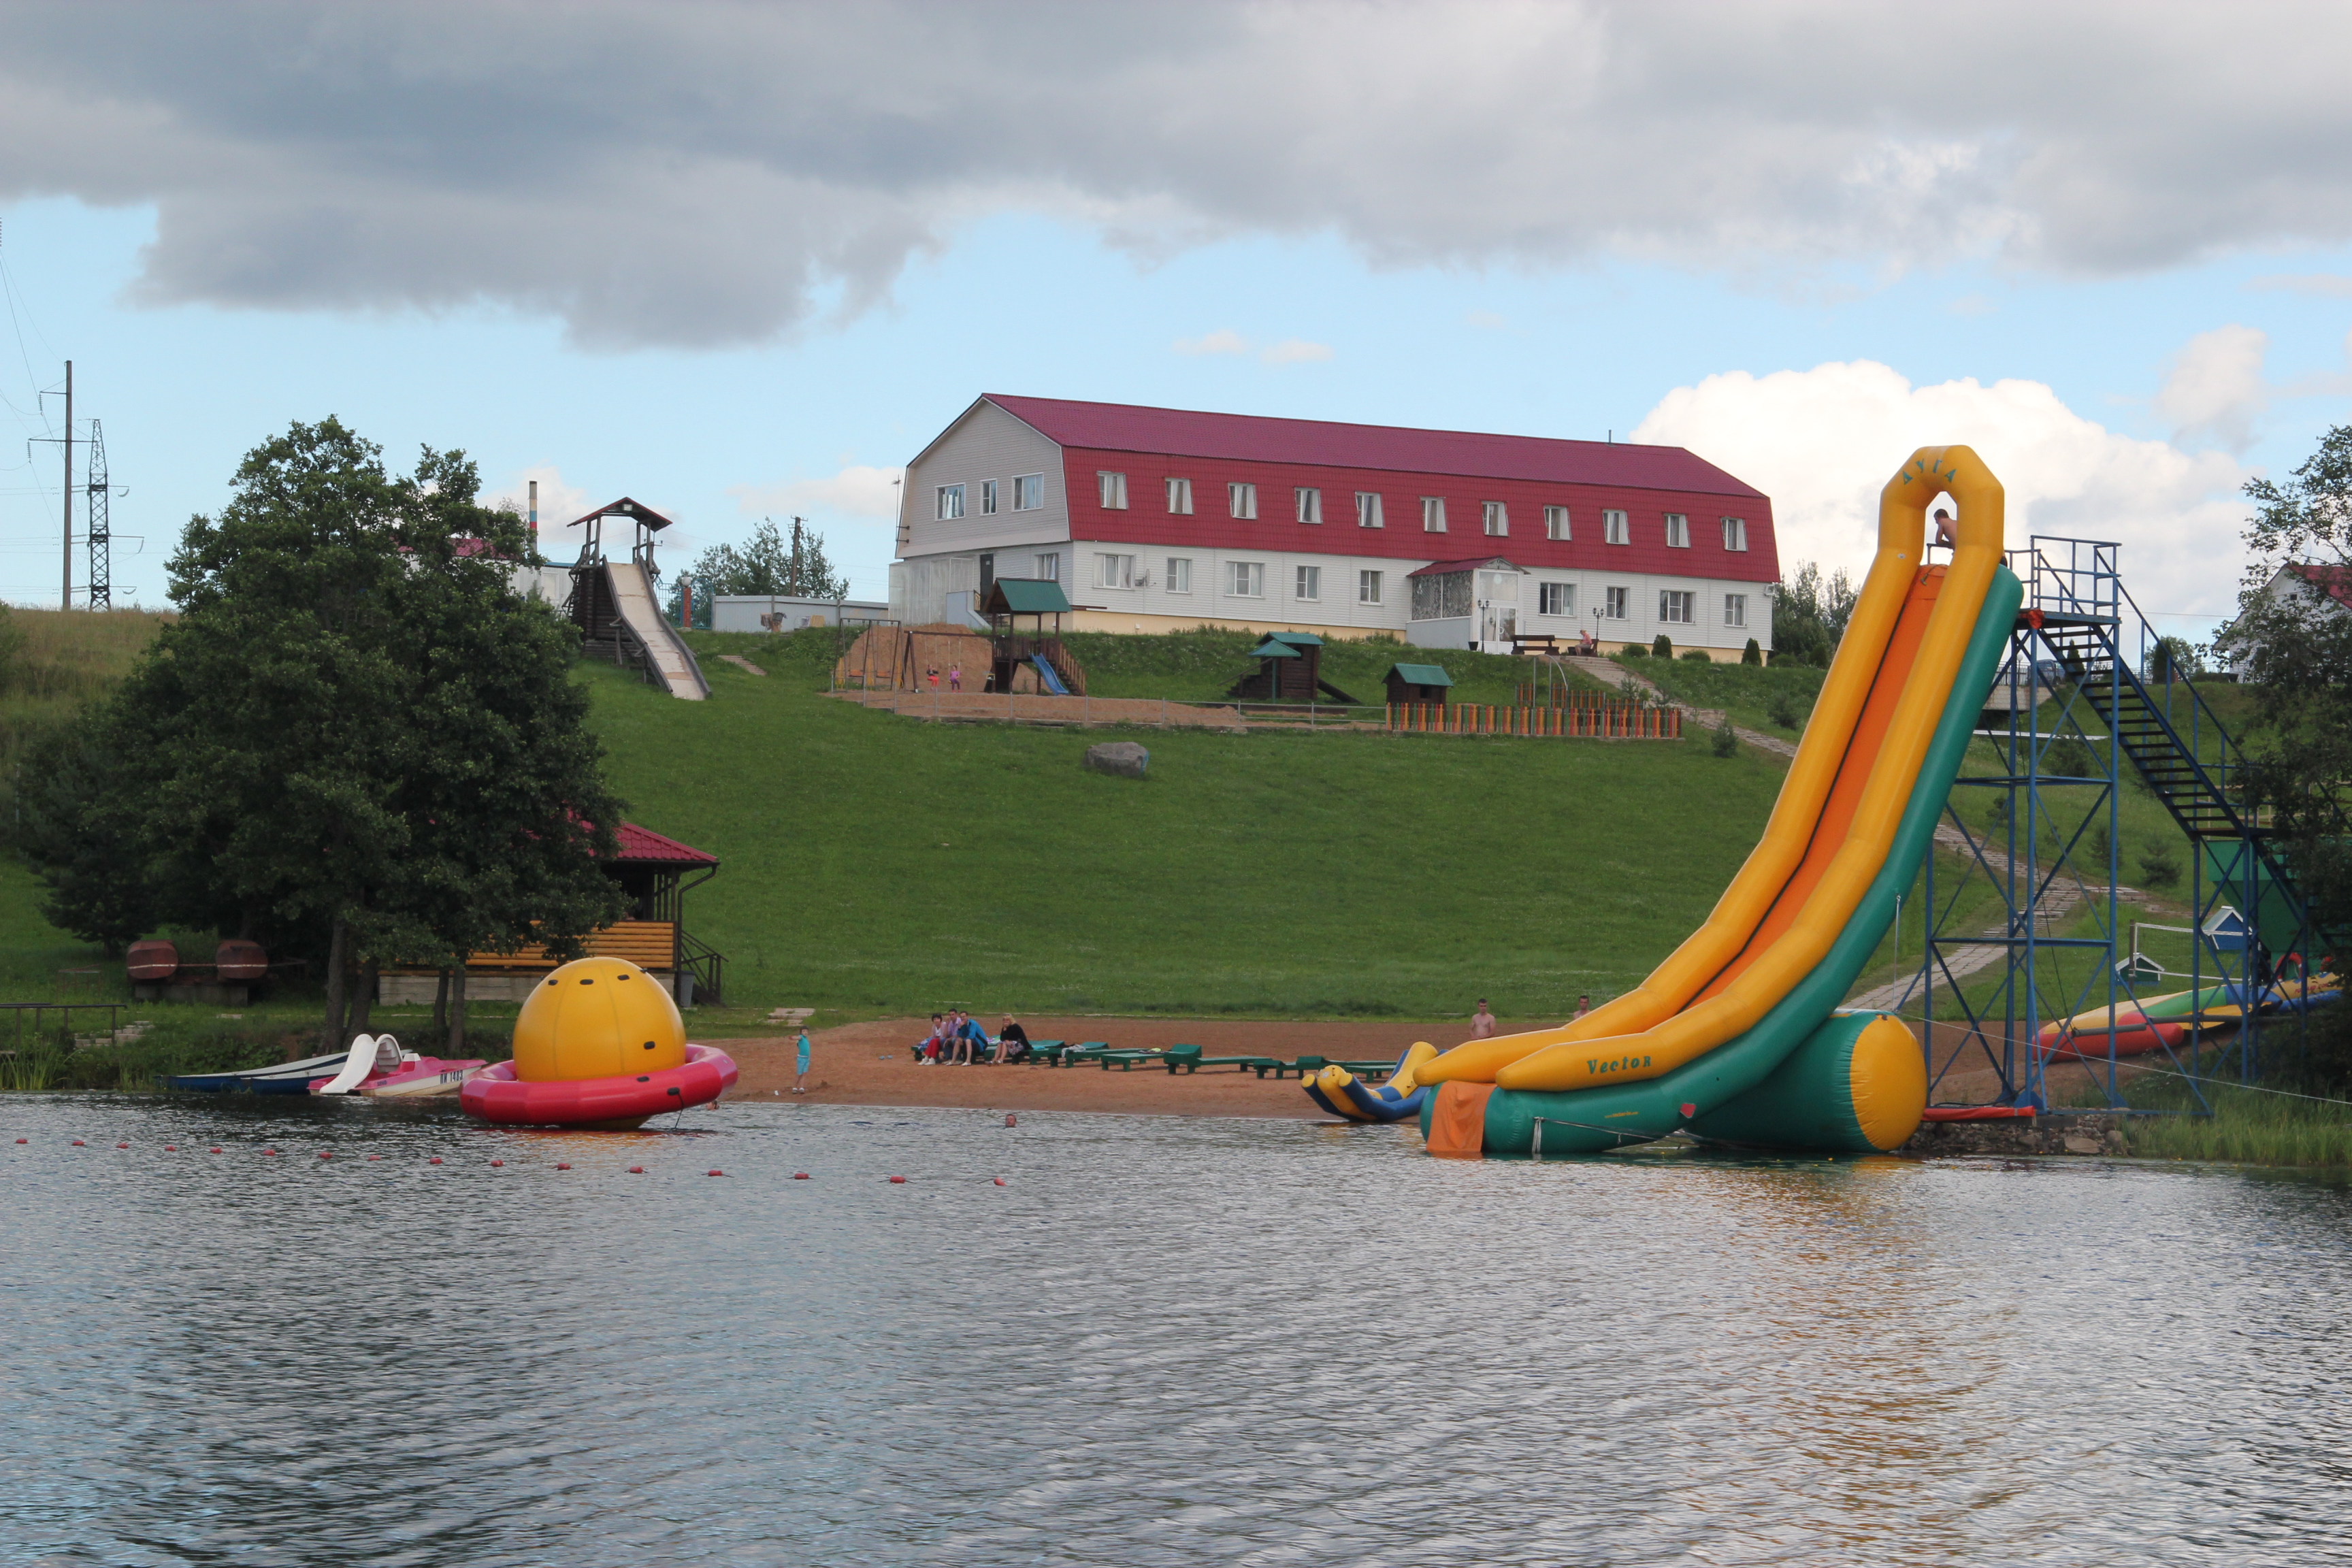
<point x="1071" y="1056"/>
<point x="1190" y="1059"/>
<point x="1046" y="1051"/>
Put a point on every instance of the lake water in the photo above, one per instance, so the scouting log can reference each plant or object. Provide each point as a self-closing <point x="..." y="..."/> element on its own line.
<point x="1162" y="1342"/>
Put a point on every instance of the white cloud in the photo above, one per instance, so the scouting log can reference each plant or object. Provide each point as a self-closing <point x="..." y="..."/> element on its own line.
<point x="1224" y="341"/>
<point x="558" y="500"/>
<point x="2214" y="387"/>
<point x="1823" y="442"/>
<point x="1296" y="351"/>
<point x="859" y="492"/>
<point x="704" y="173"/>
<point x="2318" y="284"/>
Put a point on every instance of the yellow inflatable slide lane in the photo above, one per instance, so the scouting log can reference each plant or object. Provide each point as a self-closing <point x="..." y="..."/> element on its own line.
<point x="1856" y="770"/>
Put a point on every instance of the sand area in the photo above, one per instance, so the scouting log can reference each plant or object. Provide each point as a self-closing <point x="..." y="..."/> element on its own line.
<point x="868" y="1064"/>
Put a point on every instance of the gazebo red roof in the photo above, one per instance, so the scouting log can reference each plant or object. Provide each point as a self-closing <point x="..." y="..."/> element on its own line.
<point x="644" y="845"/>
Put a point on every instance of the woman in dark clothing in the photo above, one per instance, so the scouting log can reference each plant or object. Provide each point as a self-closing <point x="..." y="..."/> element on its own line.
<point x="1011" y="1042"/>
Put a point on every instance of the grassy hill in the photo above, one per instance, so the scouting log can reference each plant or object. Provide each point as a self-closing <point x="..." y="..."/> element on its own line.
<point x="878" y="863"/>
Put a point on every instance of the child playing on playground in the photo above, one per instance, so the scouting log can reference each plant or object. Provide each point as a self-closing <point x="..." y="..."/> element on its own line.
<point x="955" y="676"/>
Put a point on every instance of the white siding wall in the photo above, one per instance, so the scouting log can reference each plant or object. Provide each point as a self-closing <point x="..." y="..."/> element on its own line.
<point x="986" y="443"/>
<point x="1211" y="597"/>
<point x="1708" y="628"/>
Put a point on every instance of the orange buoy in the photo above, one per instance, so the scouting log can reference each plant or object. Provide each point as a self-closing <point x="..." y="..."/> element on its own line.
<point x="800" y="1175"/>
<point x="562" y="1167"/>
<point x="637" y="1170"/>
<point x="434" y="1161"/>
<point x="718" y="1173"/>
<point x="497" y="1161"/>
<point x="898" y="1181"/>
<point x="1000" y="1181"/>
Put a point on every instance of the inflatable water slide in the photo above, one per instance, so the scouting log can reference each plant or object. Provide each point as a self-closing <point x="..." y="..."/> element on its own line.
<point x="1736" y="1037"/>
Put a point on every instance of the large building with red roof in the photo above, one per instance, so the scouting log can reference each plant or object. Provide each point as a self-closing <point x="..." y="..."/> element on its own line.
<point x="1155" y="518"/>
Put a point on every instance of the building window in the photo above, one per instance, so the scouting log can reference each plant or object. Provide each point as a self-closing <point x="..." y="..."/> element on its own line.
<point x="1556" y="522"/>
<point x="1555" y="598"/>
<point x="1616" y="598"/>
<point x="1677" y="531"/>
<point x="1432" y="515"/>
<point x="1028" y="491"/>
<point x="1249" y="580"/>
<point x="1498" y="519"/>
<point x="1613" y="528"/>
<point x="1309" y="584"/>
<point x="1735" y="533"/>
<point x="1180" y="574"/>
<point x="1049" y="567"/>
<point x="1110" y="489"/>
<point x="1115" y="571"/>
<point x="1674" y="606"/>
<point x="988" y="497"/>
<point x="1735" y="605"/>
<point x="1241" y="500"/>
<point x="1180" y="498"/>
<point x="1368" y="587"/>
<point x="1444" y="596"/>
<point x="1310" y="505"/>
<point x="1368" y="510"/>
<point x="951" y="502"/>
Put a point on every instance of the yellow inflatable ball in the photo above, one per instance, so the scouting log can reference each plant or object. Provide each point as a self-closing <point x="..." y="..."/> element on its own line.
<point x="597" y="1018"/>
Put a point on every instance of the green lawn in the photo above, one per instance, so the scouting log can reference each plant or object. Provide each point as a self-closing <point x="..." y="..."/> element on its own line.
<point x="1756" y="696"/>
<point x="878" y="863"/>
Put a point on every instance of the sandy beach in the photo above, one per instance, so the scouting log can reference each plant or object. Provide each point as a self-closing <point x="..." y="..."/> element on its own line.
<point x="868" y="1064"/>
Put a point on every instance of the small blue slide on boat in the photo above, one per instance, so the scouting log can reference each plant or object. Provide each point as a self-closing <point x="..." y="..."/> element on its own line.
<point x="1045" y="673"/>
<point x="1341" y="1093"/>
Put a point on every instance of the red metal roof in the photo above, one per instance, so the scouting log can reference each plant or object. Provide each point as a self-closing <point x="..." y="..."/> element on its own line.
<point x="1246" y="437"/>
<point x="2335" y="582"/>
<point x="643" y="844"/>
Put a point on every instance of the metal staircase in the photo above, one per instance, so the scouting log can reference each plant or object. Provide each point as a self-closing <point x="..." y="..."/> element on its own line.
<point x="2083" y="650"/>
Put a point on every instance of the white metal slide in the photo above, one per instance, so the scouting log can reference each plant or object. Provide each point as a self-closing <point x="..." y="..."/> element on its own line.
<point x="632" y="592"/>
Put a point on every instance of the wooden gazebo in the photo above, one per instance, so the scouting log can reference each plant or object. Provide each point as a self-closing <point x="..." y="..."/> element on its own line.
<point x="1289" y="670"/>
<point x="652" y="870"/>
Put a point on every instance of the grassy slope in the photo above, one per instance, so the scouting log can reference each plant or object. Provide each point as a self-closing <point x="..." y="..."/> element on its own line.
<point x="878" y="863"/>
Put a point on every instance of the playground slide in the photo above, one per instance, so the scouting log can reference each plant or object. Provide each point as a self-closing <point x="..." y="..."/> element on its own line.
<point x="1046" y="673"/>
<point x="1759" y="981"/>
<point x="632" y="592"/>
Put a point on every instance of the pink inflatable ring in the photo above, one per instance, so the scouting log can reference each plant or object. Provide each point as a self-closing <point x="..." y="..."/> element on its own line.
<point x="496" y="1095"/>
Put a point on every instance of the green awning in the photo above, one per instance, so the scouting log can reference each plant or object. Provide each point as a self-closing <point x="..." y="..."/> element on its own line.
<point x="1295" y="639"/>
<point x="1420" y="673"/>
<point x="1025" y="596"/>
<point x="1273" y="649"/>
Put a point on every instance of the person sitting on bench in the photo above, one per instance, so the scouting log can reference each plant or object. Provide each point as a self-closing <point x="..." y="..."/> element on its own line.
<point x="966" y="1039"/>
<point x="926" y="1050"/>
<point x="1011" y="1041"/>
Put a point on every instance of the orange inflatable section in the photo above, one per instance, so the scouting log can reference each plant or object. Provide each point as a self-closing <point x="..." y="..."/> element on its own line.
<point x="1853" y="778"/>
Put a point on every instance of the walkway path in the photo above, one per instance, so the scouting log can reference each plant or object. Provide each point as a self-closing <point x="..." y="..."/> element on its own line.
<point x="1615" y="677"/>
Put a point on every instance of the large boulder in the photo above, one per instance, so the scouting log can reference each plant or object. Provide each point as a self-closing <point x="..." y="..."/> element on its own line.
<point x="1123" y="759"/>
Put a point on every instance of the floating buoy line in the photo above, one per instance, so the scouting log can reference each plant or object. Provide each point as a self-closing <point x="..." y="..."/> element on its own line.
<point x="496" y="1164"/>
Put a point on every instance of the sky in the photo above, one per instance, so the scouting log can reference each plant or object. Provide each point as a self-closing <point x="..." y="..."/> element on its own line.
<point x="742" y="261"/>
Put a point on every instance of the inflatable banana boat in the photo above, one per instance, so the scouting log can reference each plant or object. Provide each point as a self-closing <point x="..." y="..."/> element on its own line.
<point x="2160" y="1021"/>
<point x="1341" y="1093"/>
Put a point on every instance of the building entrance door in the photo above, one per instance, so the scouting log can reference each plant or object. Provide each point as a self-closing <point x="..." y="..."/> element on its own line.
<point x="987" y="572"/>
<point x="1498" y="608"/>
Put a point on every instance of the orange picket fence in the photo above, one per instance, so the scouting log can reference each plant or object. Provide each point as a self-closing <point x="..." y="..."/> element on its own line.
<point x="1598" y="721"/>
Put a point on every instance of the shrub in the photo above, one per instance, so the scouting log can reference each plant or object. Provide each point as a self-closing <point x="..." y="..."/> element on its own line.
<point x="1635" y="650"/>
<point x="1695" y="656"/>
<point x="1663" y="647"/>
<point x="1725" y="743"/>
<point x="2159" y="866"/>
<point x="1783" y="711"/>
<point x="1752" y="654"/>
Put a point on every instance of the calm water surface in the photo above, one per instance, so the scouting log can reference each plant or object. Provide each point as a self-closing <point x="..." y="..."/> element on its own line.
<point x="1161" y="1342"/>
